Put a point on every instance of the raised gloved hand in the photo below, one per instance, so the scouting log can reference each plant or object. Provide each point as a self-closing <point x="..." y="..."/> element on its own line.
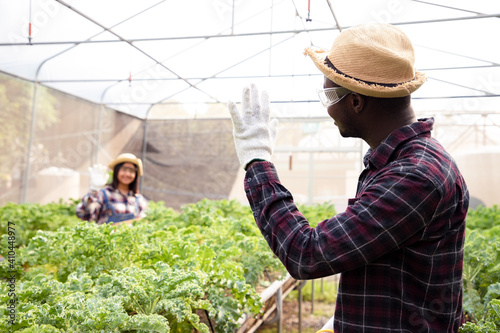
<point x="98" y="176"/>
<point x="254" y="134"/>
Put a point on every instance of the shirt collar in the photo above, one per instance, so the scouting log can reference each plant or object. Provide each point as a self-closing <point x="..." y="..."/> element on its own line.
<point x="112" y="189"/>
<point x="379" y="157"/>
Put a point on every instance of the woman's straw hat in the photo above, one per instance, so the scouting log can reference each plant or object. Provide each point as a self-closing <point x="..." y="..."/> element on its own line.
<point x="127" y="157"/>
<point x="374" y="59"/>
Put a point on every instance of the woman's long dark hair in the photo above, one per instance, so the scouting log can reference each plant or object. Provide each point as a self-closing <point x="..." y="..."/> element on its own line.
<point x="132" y="186"/>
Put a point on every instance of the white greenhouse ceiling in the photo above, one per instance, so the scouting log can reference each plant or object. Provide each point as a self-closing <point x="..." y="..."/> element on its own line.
<point x="133" y="55"/>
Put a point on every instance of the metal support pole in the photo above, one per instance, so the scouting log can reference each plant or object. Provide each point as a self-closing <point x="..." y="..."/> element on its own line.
<point x="300" y="286"/>
<point x="279" y="309"/>
<point x="312" y="296"/>
<point x="300" y="308"/>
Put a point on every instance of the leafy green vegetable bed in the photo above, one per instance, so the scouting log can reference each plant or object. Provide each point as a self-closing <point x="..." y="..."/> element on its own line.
<point x="168" y="271"/>
<point x="165" y="273"/>
<point x="482" y="271"/>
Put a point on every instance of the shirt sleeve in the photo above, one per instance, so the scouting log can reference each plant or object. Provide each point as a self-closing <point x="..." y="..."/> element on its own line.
<point x="90" y="206"/>
<point x="390" y="213"/>
<point x="143" y="206"/>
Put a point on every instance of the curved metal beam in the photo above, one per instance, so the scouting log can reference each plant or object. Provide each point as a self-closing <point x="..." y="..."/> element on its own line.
<point x="250" y="34"/>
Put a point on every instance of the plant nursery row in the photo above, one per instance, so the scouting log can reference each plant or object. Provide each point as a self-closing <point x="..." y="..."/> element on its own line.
<point x="199" y="269"/>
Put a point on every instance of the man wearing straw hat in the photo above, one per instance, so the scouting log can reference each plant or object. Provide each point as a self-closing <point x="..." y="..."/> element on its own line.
<point x="399" y="243"/>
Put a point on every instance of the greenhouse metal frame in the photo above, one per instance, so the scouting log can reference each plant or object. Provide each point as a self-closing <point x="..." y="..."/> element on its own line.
<point x="87" y="81"/>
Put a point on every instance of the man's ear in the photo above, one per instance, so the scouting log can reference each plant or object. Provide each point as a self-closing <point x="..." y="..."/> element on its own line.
<point x="357" y="102"/>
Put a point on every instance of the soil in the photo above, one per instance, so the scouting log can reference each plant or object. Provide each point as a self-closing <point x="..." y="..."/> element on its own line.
<point x="311" y="321"/>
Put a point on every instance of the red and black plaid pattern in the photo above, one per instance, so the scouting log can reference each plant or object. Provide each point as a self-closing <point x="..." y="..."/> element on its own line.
<point x="92" y="207"/>
<point x="398" y="245"/>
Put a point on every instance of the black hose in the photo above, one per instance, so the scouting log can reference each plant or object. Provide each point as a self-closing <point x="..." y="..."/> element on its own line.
<point x="209" y="322"/>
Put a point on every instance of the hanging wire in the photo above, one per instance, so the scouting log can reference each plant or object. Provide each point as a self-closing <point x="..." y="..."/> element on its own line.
<point x="308" y="19"/>
<point x="304" y="29"/>
<point x="29" y="26"/>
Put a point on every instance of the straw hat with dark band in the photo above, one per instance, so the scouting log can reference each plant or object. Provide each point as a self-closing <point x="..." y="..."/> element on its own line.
<point x="127" y="157"/>
<point x="374" y="59"/>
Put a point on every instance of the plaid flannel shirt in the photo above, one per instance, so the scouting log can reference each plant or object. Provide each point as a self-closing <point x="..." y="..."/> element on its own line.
<point x="398" y="245"/>
<point x="92" y="207"/>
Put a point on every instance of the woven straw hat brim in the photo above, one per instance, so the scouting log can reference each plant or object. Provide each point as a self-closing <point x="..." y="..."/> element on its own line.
<point x="131" y="158"/>
<point x="361" y="87"/>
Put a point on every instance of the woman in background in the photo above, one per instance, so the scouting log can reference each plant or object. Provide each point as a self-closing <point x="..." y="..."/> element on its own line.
<point x="118" y="201"/>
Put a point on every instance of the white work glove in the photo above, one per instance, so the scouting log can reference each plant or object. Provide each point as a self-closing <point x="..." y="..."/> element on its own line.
<point x="98" y="176"/>
<point x="254" y="135"/>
